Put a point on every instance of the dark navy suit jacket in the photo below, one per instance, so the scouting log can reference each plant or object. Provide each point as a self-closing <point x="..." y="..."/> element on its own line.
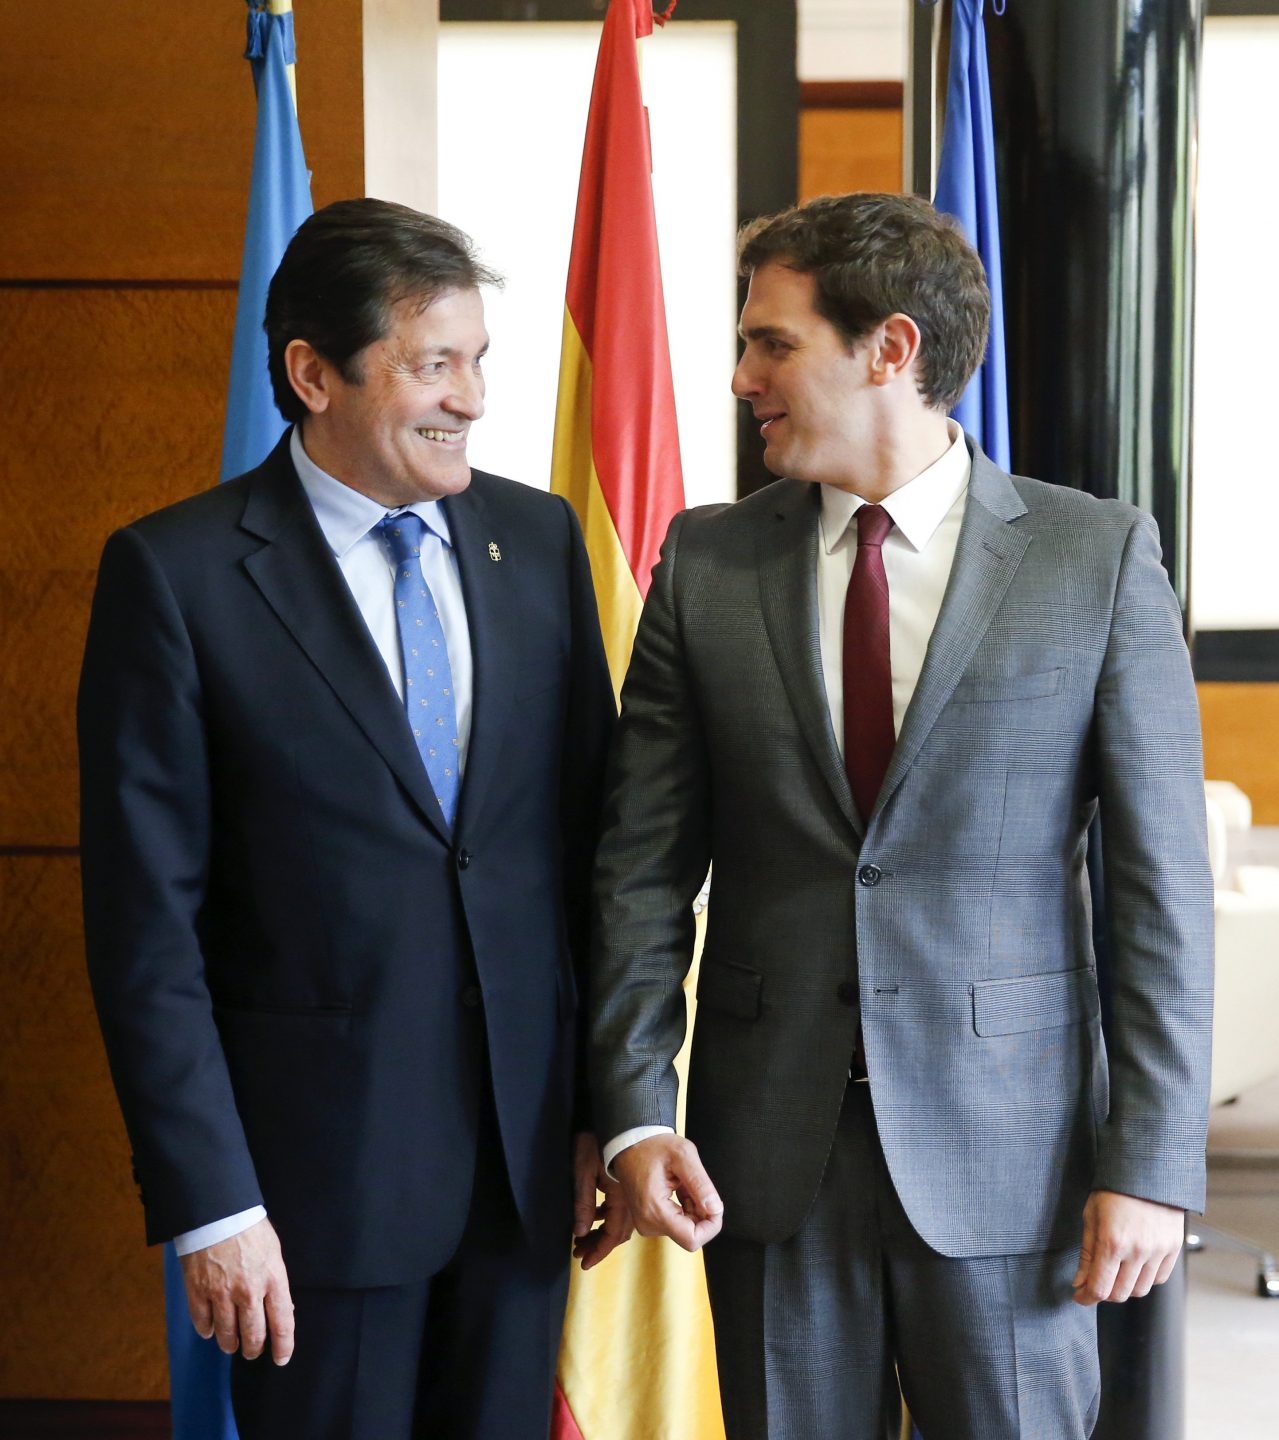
<point x="302" y="975"/>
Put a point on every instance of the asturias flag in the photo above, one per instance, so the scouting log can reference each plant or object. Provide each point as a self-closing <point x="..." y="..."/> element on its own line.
<point x="638" y="1359"/>
<point x="966" y="190"/>
<point x="279" y="201"/>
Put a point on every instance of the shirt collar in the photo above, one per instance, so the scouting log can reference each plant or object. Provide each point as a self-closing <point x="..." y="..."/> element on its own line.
<point x="917" y="508"/>
<point x="345" y="515"/>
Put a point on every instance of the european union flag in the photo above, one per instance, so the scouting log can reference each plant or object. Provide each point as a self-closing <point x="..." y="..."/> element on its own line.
<point x="966" y="190"/>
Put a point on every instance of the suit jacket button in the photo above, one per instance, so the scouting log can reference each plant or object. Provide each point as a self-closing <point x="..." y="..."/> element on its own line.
<point x="471" y="996"/>
<point x="463" y="859"/>
<point x="847" y="991"/>
<point x="869" y="875"/>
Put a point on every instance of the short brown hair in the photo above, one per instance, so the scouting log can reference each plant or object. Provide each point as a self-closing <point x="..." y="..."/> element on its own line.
<point x="873" y="256"/>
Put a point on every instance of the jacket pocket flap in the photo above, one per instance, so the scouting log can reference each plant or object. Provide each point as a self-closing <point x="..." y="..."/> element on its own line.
<point x="1034" y="1002"/>
<point x="987" y="688"/>
<point x="732" y="989"/>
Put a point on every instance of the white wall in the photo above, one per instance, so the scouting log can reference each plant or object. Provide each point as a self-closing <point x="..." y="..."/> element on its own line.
<point x="1235" y="497"/>
<point x="853" y="39"/>
<point x="513" y="102"/>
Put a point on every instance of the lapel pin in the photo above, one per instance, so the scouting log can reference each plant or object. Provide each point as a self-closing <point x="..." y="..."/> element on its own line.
<point x="494" y="552"/>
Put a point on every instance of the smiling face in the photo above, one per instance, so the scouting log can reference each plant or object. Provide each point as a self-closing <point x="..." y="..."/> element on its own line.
<point x="812" y="394"/>
<point x="398" y="433"/>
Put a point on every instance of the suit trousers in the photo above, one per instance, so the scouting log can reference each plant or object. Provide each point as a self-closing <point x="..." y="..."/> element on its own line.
<point x="819" y="1336"/>
<point x="466" y="1354"/>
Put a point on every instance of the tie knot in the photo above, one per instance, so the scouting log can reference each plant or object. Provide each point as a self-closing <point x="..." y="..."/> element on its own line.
<point x="403" y="534"/>
<point x="873" y="524"/>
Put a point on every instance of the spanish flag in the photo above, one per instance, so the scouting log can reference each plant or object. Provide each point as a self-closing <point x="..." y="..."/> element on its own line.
<point x="638" y="1358"/>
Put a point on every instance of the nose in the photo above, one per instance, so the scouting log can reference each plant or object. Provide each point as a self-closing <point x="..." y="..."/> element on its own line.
<point x="745" y="383"/>
<point x="467" y="398"/>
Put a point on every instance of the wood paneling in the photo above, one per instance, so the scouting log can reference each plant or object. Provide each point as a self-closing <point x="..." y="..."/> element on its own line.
<point x="125" y="156"/>
<point x="1241" y="742"/>
<point x="114" y="407"/>
<point x="127" y="139"/>
<point x="84" y="1420"/>
<point x="851" y="95"/>
<point x="853" y="149"/>
<point x="83" y="1299"/>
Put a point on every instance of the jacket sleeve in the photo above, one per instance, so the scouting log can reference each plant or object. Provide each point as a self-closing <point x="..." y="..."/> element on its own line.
<point x="653" y="857"/>
<point x="146" y="816"/>
<point x="590" y="716"/>
<point x="1158" y="889"/>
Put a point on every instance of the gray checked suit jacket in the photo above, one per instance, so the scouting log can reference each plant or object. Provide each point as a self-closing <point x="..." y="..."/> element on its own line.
<point x="954" y="919"/>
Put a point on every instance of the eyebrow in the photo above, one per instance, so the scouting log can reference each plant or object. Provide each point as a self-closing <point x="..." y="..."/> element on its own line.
<point x="439" y="352"/>
<point x="766" y="332"/>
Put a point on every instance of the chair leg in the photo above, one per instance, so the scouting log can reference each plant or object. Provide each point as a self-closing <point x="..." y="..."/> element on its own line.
<point x="1198" y="1236"/>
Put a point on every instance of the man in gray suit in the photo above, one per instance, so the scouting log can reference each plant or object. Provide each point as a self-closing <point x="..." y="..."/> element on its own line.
<point x="886" y="696"/>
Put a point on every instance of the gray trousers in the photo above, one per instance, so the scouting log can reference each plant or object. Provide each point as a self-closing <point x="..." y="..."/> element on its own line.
<point x="819" y="1337"/>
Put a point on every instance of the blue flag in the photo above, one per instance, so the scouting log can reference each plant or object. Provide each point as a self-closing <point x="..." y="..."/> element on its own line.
<point x="199" y="1373"/>
<point x="279" y="201"/>
<point x="966" y="190"/>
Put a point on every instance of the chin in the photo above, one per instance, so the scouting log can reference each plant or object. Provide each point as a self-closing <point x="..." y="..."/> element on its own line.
<point x="774" y="463"/>
<point x="449" y="482"/>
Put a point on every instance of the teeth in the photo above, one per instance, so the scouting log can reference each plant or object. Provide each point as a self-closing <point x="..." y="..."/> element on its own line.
<point x="438" y="434"/>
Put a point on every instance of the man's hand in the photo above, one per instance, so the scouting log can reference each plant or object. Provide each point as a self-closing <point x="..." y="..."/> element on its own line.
<point x="238" y="1291"/>
<point x="669" y="1192"/>
<point x="592" y="1243"/>
<point x="1129" y="1247"/>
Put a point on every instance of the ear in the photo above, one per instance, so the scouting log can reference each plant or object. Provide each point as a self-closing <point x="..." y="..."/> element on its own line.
<point x="310" y="374"/>
<point x="895" y="350"/>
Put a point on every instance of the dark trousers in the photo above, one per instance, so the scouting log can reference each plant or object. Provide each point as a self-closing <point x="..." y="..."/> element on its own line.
<point x="815" y="1335"/>
<point x="467" y="1354"/>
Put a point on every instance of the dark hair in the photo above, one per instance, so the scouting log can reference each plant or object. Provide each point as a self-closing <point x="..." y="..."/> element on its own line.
<point x="345" y="270"/>
<point x="873" y="256"/>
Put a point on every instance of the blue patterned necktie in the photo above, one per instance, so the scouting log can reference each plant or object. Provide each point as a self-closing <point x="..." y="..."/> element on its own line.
<point x="428" y="680"/>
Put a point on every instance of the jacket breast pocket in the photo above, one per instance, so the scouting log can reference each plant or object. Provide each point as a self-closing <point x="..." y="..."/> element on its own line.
<point x="731" y="989"/>
<point x="1035" y="1002"/>
<point x="988" y="689"/>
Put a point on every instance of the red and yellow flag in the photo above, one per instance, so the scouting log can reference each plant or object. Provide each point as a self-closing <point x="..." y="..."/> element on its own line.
<point x="638" y="1359"/>
<point x="616" y="455"/>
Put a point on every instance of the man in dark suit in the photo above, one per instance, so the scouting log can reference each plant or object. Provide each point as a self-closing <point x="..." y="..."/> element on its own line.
<point x="342" y="725"/>
<point x="886" y="696"/>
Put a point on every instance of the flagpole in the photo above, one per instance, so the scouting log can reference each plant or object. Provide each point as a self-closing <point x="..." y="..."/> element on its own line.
<point x="285" y="7"/>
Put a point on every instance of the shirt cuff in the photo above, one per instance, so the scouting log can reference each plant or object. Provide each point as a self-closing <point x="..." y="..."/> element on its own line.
<point x="626" y="1139"/>
<point x="191" y="1240"/>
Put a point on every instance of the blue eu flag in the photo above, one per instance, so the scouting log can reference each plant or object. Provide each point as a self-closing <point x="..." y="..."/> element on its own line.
<point x="966" y="190"/>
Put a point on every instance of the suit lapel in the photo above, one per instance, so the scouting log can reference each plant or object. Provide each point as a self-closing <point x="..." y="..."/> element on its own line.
<point x="987" y="555"/>
<point x="787" y="567"/>
<point x="486" y="589"/>
<point x="301" y="581"/>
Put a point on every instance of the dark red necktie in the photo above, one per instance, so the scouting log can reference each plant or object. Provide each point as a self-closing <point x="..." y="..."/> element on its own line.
<point x="868" y="679"/>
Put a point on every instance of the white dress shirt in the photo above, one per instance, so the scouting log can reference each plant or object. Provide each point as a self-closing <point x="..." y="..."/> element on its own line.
<point x="347" y="519"/>
<point x="918" y="553"/>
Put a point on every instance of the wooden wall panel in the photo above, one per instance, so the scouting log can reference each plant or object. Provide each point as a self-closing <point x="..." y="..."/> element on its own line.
<point x="1241" y="742"/>
<point x="114" y="401"/>
<point x="849" y="149"/>
<point x="127" y="139"/>
<point x="125" y="154"/>
<point x="82" y="1299"/>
